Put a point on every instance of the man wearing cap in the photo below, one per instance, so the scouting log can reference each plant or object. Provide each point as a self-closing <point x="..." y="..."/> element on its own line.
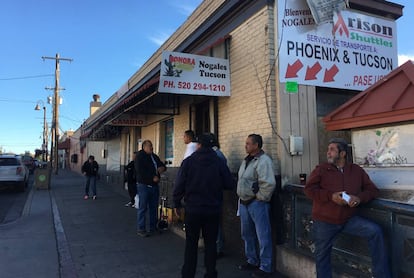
<point x="200" y="182"/>
<point x="337" y="188"/>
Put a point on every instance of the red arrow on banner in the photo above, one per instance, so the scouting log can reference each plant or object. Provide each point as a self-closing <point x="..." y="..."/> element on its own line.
<point x="292" y="70"/>
<point x="311" y="72"/>
<point x="330" y="73"/>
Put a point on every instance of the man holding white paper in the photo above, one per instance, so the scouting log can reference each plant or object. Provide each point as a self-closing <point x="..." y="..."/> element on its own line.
<point x="337" y="188"/>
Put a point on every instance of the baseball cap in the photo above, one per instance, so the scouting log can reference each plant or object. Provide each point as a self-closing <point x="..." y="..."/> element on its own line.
<point x="206" y="140"/>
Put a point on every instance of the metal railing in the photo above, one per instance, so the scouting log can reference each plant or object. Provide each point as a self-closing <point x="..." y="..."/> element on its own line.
<point x="350" y="254"/>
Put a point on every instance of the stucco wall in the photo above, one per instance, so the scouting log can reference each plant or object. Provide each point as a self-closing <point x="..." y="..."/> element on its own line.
<point x="75" y="149"/>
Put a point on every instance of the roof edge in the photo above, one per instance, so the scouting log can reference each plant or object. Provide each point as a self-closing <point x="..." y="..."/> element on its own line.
<point x="370" y="120"/>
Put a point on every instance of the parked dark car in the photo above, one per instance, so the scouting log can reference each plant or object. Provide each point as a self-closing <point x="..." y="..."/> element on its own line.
<point x="29" y="162"/>
<point x="13" y="173"/>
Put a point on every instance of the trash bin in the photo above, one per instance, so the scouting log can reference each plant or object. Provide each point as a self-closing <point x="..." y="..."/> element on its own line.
<point x="42" y="178"/>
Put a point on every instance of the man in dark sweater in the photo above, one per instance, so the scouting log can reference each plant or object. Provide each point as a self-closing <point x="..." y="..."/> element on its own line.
<point x="200" y="182"/>
<point x="129" y="177"/>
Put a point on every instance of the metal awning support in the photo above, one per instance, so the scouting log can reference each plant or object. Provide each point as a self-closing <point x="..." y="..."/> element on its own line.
<point x="141" y="101"/>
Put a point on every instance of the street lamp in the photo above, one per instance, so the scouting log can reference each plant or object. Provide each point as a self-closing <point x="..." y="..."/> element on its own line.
<point x="44" y="145"/>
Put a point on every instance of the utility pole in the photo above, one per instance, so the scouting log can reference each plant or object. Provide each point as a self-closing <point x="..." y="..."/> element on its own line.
<point x="55" y="121"/>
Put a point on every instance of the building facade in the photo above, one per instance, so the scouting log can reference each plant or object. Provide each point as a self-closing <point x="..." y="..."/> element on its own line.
<point x="248" y="35"/>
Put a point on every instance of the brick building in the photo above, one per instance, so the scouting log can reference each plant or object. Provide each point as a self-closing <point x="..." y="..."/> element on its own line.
<point x="249" y="35"/>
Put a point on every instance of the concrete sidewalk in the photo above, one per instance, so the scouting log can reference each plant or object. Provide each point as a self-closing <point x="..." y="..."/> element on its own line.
<point x="62" y="235"/>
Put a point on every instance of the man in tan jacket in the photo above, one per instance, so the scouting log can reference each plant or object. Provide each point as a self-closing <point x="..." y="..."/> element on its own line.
<point x="255" y="187"/>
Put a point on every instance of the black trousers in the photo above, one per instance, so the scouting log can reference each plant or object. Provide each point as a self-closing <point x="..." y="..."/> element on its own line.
<point x="132" y="190"/>
<point x="208" y="224"/>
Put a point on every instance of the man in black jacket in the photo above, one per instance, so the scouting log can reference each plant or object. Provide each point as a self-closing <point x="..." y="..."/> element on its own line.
<point x="148" y="168"/>
<point x="129" y="177"/>
<point x="200" y="182"/>
<point x="90" y="170"/>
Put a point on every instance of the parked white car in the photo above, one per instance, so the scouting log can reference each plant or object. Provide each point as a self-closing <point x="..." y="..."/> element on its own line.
<point x="13" y="173"/>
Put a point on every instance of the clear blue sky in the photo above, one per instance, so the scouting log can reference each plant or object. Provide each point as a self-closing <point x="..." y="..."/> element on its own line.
<point x="108" y="42"/>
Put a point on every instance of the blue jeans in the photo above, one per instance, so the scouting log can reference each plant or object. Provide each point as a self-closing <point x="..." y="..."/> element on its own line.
<point x="148" y="201"/>
<point x="255" y="224"/>
<point x="90" y="180"/>
<point x="324" y="235"/>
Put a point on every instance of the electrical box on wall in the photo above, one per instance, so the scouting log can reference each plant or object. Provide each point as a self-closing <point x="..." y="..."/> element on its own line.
<point x="296" y="145"/>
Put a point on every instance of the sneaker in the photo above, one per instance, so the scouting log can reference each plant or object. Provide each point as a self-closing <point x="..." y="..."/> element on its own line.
<point x="129" y="204"/>
<point x="86" y="197"/>
<point x="142" y="233"/>
<point x="260" y="273"/>
<point x="133" y="206"/>
<point x="247" y="266"/>
<point x="94" y="197"/>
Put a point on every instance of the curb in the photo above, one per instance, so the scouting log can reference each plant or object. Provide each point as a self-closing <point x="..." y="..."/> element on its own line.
<point x="66" y="265"/>
<point x="25" y="211"/>
<point x="28" y="204"/>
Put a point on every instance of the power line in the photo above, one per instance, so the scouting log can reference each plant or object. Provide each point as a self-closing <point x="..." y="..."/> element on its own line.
<point x="26" y="77"/>
<point x="12" y="145"/>
<point x="16" y="100"/>
<point x="70" y="119"/>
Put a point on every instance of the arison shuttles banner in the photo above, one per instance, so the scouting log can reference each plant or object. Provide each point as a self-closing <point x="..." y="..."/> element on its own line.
<point x="354" y="51"/>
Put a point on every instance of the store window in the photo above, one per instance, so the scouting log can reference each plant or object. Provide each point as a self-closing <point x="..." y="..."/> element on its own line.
<point x="389" y="146"/>
<point x="203" y="117"/>
<point x="220" y="50"/>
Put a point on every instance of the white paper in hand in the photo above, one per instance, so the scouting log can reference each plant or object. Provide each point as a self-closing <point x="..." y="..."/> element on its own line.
<point x="346" y="197"/>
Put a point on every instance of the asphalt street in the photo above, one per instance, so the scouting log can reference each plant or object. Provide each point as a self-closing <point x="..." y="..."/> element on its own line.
<point x="12" y="202"/>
